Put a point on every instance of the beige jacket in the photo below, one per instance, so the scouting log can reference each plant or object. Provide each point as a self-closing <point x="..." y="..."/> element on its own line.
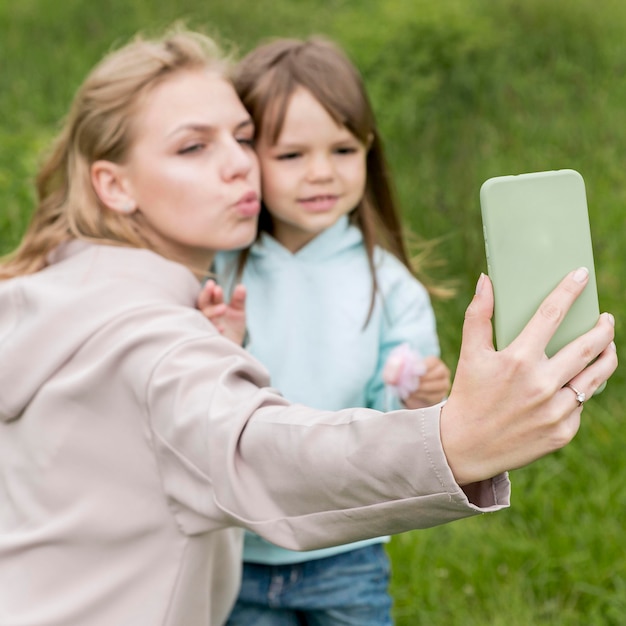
<point x="136" y="443"/>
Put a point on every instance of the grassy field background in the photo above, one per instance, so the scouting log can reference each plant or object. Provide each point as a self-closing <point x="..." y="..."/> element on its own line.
<point x="463" y="90"/>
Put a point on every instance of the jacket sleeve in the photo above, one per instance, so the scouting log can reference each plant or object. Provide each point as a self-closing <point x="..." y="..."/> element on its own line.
<point x="232" y="451"/>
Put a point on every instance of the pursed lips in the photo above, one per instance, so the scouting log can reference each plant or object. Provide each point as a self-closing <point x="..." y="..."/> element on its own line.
<point x="248" y="205"/>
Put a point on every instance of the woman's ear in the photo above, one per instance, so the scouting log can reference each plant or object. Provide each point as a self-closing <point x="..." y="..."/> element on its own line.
<point x="108" y="181"/>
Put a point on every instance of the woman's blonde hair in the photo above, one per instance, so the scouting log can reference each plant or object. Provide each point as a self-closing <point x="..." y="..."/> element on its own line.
<point x="100" y="126"/>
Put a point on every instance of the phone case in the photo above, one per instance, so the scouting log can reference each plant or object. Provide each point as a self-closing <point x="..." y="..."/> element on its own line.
<point x="536" y="229"/>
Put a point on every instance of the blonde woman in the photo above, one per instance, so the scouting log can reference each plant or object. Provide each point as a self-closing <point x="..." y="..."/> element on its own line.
<point x="135" y="439"/>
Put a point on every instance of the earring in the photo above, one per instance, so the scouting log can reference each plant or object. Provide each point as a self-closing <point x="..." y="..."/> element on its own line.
<point x="127" y="207"/>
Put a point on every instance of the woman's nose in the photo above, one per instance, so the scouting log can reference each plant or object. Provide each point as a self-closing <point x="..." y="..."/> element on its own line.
<point x="239" y="160"/>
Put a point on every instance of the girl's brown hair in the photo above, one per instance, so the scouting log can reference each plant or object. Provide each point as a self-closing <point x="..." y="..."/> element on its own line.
<point x="265" y="80"/>
<point x="100" y="126"/>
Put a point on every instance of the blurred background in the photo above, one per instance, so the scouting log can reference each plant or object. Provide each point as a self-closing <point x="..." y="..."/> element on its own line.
<point x="463" y="90"/>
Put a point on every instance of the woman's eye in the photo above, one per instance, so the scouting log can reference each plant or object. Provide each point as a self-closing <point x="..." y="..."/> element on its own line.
<point x="246" y="141"/>
<point x="196" y="147"/>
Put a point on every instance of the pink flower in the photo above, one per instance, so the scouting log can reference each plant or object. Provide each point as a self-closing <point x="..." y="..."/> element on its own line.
<point x="403" y="370"/>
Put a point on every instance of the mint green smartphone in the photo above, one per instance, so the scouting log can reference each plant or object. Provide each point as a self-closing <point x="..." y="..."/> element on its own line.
<point x="536" y="229"/>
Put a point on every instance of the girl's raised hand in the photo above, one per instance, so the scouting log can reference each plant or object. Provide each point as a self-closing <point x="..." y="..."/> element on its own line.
<point x="228" y="318"/>
<point x="510" y="407"/>
<point x="433" y="386"/>
<point x="417" y="381"/>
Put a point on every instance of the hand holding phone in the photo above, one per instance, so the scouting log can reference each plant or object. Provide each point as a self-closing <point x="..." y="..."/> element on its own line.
<point x="536" y="229"/>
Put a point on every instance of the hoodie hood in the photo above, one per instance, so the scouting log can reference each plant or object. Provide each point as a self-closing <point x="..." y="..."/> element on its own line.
<point x="269" y="255"/>
<point x="46" y="317"/>
<point x="341" y="236"/>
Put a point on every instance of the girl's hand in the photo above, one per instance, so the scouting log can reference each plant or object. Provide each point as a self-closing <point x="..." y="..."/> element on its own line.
<point x="418" y="382"/>
<point x="433" y="386"/>
<point x="228" y="318"/>
<point x="508" y="408"/>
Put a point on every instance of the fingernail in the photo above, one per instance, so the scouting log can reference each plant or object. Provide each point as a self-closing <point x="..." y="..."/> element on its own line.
<point x="610" y="318"/>
<point x="613" y="346"/>
<point x="581" y="274"/>
<point x="479" y="284"/>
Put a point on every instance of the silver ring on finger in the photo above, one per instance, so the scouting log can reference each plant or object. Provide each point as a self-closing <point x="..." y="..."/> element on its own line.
<point x="580" y="395"/>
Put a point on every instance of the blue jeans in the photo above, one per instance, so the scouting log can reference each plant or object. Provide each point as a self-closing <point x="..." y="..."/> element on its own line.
<point x="344" y="589"/>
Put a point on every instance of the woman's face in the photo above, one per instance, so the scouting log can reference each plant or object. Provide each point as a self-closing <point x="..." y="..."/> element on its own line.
<point x="191" y="170"/>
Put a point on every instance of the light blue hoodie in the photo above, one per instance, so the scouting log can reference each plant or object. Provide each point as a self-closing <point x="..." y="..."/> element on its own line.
<point x="306" y="315"/>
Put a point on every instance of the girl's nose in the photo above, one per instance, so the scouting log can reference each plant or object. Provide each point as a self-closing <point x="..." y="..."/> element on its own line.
<point x="320" y="168"/>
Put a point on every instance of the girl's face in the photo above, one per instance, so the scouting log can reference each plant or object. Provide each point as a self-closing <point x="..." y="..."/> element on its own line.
<point x="313" y="175"/>
<point x="191" y="170"/>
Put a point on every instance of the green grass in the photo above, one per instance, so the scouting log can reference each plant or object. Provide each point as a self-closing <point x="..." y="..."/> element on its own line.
<point x="464" y="90"/>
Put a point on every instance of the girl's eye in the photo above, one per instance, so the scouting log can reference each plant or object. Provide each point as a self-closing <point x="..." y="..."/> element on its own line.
<point x="287" y="156"/>
<point x="346" y="150"/>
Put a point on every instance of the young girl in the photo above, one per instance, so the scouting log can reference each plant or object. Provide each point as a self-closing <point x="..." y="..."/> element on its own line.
<point x="134" y="438"/>
<point x="329" y="284"/>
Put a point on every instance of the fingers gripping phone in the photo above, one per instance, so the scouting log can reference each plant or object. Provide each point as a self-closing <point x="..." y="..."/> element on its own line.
<point x="536" y="229"/>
